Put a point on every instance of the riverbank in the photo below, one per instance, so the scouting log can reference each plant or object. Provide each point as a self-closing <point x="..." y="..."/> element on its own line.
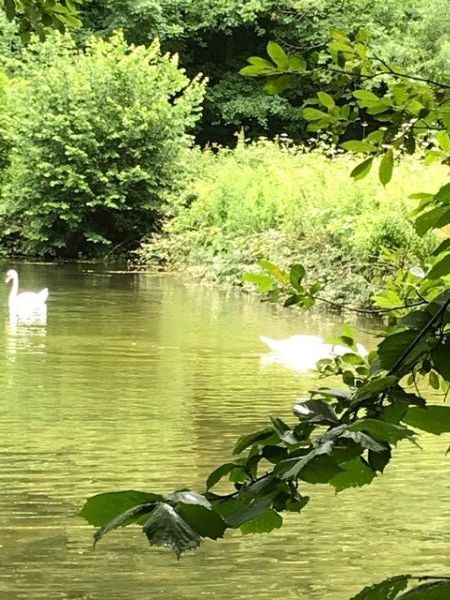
<point x="271" y="200"/>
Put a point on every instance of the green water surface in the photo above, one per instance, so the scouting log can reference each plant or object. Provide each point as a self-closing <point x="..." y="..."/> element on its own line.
<point x="141" y="381"/>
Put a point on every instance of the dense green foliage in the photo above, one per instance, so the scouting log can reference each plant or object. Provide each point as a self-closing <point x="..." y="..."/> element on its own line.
<point x="98" y="140"/>
<point x="40" y="16"/>
<point x="283" y="202"/>
<point x="215" y="38"/>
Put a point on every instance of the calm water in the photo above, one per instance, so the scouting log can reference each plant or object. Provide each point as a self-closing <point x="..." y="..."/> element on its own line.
<point x="139" y="381"/>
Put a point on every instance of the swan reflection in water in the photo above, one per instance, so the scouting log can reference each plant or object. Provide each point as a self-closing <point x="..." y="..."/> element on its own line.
<point x="26" y="331"/>
<point x="302" y="352"/>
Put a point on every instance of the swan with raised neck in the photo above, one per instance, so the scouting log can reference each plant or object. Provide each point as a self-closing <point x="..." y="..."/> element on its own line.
<point x="24" y="301"/>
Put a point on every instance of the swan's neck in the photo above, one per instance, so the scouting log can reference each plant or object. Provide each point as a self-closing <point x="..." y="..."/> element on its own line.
<point x="14" y="290"/>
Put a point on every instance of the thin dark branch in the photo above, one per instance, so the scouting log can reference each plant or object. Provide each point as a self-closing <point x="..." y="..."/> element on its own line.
<point x="419" y="336"/>
<point x="367" y="311"/>
<point x="395" y="73"/>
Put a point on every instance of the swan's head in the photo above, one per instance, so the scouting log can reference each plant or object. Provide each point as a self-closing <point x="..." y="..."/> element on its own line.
<point x="11" y="275"/>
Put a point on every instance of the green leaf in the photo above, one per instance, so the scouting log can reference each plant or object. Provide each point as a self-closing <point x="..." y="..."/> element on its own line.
<point x="264" y="523"/>
<point x="441" y="268"/>
<point x="10" y="9"/>
<point x="321" y="469"/>
<point x="255" y="71"/>
<point x="429" y="220"/>
<point x="357" y="146"/>
<point x="440" y="357"/>
<point x="296" y="275"/>
<point x="278" y="55"/>
<point x="218" y="473"/>
<point x="283" y="431"/>
<point x="297" y="63"/>
<point x="257" y="61"/>
<point x="313" y="114"/>
<point x="248" y="440"/>
<point x="379" y="460"/>
<point x="385" y="590"/>
<point x="436" y="590"/>
<point x="126" y="518"/>
<point x="443" y="195"/>
<point x="367" y="98"/>
<point x="166" y="527"/>
<point x="326" y="100"/>
<point x="243" y="508"/>
<point x="277" y="85"/>
<point x="393" y="347"/>
<point x="382" y="431"/>
<point x="355" y="473"/>
<point x="376" y="386"/>
<point x="102" y="508"/>
<point x="433" y="419"/>
<point x="275" y="271"/>
<point x="363" y="169"/>
<point x="291" y="467"/>
<point x="264" y="283"/>
<point x="204" y="521"/>
<point x="315" y="411"/>
<point x="386" y="167"/>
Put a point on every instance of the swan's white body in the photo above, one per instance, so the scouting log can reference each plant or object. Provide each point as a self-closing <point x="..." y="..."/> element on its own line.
<point x="26" y="302"/>
<point x="301" y="352"/>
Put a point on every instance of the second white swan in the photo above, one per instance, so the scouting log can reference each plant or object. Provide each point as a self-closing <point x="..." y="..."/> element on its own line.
<point x="302" y="352"/>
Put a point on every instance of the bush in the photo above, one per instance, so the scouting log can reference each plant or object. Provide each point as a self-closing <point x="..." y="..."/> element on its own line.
<point x="286" y="204"/>
<point x="98" y="140"/>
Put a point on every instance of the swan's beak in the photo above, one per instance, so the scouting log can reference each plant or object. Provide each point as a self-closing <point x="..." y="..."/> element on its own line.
<point x="6" y="279"/>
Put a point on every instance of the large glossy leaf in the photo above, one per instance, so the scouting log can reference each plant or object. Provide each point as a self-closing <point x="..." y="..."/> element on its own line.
<point x="393" y="346"/>
<point x="264" y="523"/>
<point x="441" y="268"/>
<point x="433" y="419"/>
<point x="291" y="467"/>
<point x="102" y="508"/>
<point x="375" y="386"/>
<point x="315" y="411"/>
<point x="204" y="521"/>
<point x="440" y="357"/>
<point x="220" y="472"/>
<point x="354" y="473"/>
<point x="243" y="508"/>
<point x="363" y="169"/>
<point x="320" y="469"/>
<point x="278" y="55"/>
<point x="436" y="590"/>
<point x="382" y="431"/>
<point x="284" y="432"/>
<point x="166" y="527"/>
<point x="386" y="167"/>
<point x="385" y="590"/>
<point x="126" y="518"/>
<point x="259" y="436"/>
<point x="429" y="220"/>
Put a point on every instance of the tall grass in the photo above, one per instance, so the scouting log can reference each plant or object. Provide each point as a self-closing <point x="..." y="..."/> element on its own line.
<point x="274" y="200"/>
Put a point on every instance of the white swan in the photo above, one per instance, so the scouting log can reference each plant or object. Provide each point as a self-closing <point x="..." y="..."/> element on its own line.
<point x="26" y="302"/>
<point x="301" y="352"/>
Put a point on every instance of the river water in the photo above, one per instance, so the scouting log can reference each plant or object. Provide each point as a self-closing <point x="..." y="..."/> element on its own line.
<point x="141" y="381"/>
